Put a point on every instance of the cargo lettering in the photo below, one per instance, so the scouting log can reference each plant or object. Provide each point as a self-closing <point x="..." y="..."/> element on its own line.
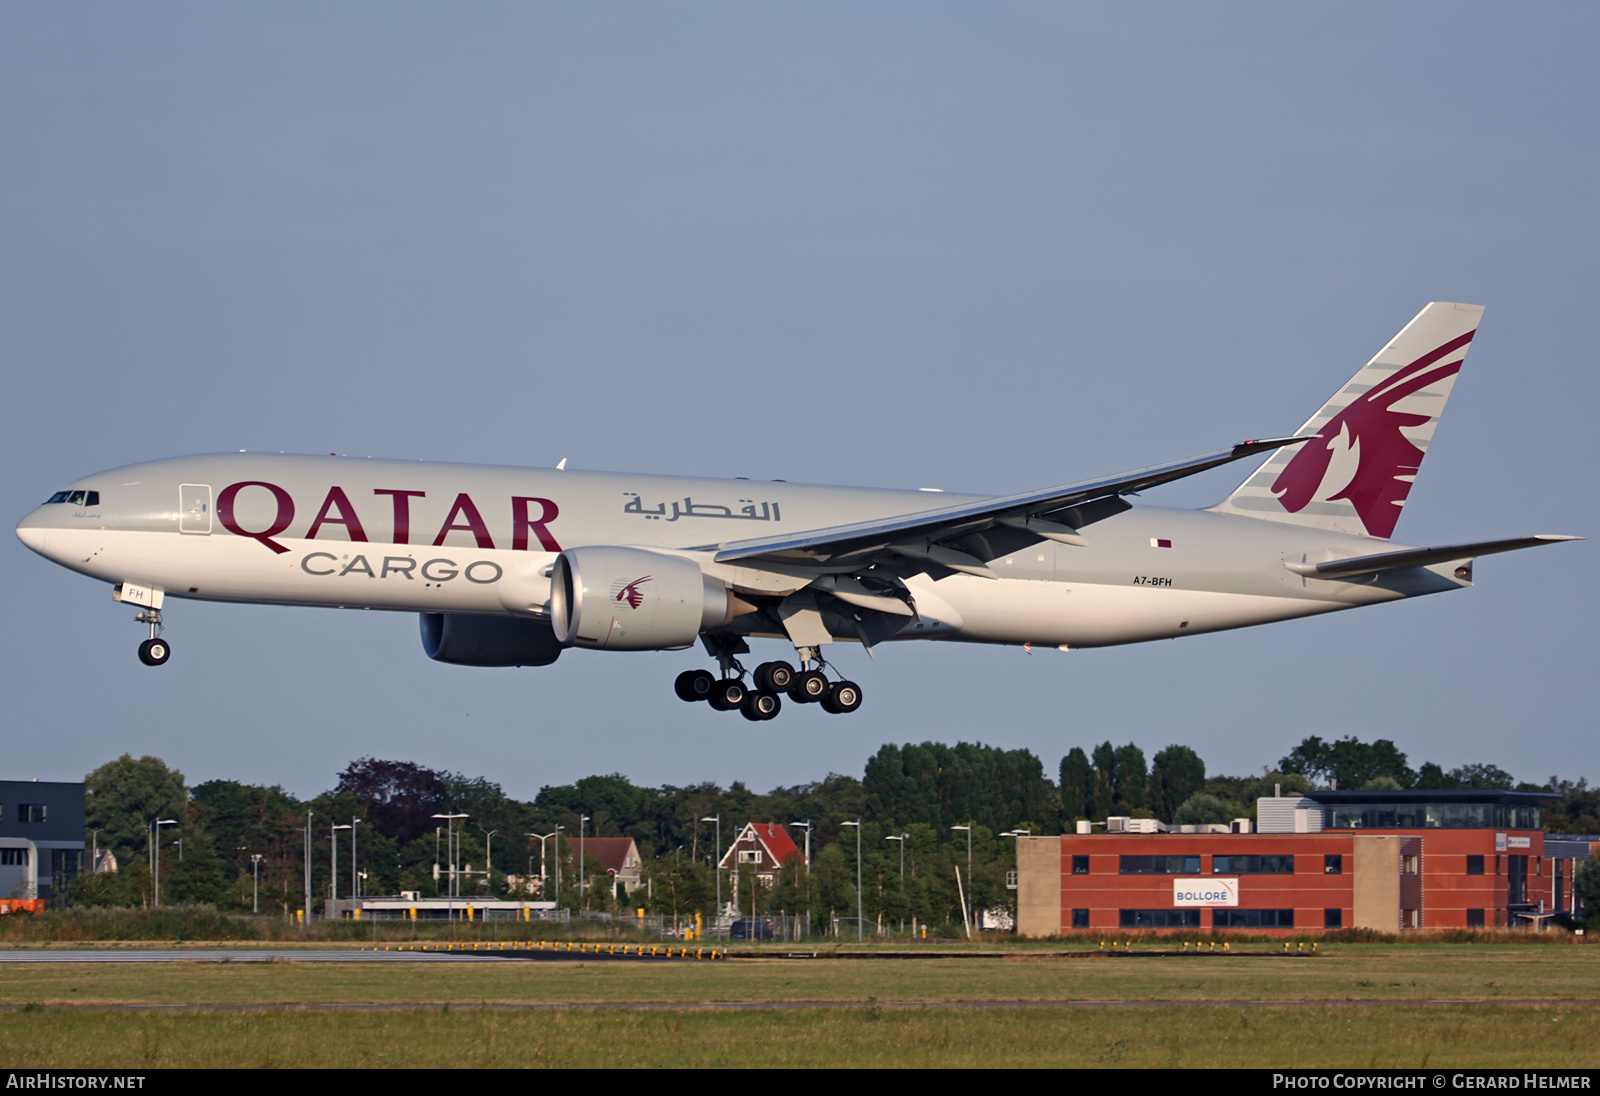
<point x="481" y="572"/>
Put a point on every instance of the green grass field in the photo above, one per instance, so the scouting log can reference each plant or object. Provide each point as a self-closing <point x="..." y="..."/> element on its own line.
<point x="1388" y="1036"/>
<point x="1348" y="973"/>
<point x="449" y="1027"/>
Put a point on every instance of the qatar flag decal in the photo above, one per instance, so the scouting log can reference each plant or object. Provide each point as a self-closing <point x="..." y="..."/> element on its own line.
<point x="1160" y="542"/>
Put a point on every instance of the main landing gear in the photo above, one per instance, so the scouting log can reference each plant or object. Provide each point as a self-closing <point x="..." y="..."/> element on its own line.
<point x="771" y="681"/>
<point x="154" y="651"/>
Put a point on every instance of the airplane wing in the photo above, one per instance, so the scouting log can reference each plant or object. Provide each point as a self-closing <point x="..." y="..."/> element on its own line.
<point x="1420" y="557"/>
<point x="960" y="537"/>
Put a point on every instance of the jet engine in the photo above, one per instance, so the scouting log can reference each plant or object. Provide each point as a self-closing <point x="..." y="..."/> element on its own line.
<point x="465" y="640"/>
<point x="633" y="599"/>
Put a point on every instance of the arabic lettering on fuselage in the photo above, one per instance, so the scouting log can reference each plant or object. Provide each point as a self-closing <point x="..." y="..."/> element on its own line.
<point x="688" y="508"/>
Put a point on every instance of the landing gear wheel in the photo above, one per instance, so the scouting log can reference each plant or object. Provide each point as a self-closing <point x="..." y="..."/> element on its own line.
<point x="775" y="677"/>
<point x="809" y="687"/>
<point x="760" y="706"/>
<point x="154" y="652"/>
<point x="843" y="698"/>
<point x="727" y="694"/>
<point x="693" y="685"/>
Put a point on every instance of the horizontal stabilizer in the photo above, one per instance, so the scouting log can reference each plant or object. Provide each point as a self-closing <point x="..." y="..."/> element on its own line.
<point x="1419" y="557"/>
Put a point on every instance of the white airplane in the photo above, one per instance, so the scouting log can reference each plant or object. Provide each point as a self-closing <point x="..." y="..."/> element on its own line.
<point x="509" y="566"/>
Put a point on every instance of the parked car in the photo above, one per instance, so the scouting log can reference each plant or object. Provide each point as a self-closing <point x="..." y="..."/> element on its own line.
<point x="750" y="930"/>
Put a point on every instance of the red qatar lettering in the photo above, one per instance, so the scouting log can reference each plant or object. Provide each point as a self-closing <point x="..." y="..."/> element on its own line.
<point x="402" y="512"/>
<point x="280" y="522"/>
<point x="521" y="523"/>
<point x="474" y="523"/>
<point x="347" y="516"/>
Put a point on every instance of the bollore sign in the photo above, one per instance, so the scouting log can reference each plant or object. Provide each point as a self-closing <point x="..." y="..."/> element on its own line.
<point x="1205" y="892"/>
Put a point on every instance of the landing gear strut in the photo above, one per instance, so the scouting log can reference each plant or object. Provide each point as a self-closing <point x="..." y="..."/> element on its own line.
<point x="154" y="651"/>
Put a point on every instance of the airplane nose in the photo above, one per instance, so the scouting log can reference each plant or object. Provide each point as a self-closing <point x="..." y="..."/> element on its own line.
<point x="35" y="537"/>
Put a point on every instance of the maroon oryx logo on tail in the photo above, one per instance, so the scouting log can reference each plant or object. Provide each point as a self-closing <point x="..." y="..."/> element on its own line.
<point x="1368" y="435"/>
<point x="629" y="592"/>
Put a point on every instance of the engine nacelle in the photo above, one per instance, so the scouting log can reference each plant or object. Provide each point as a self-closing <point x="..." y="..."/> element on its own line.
<point x="465" y="640"/>
<point x="633" y="599"/>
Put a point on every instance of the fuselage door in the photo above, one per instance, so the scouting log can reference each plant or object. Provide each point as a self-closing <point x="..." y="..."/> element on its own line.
<point x="194" y="508"/>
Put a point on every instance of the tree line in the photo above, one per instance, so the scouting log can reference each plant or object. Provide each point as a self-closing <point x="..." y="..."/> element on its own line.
<point x="238" y="845"/>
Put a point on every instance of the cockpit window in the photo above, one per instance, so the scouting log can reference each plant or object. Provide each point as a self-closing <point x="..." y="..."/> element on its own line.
<point x="75" y="498"/>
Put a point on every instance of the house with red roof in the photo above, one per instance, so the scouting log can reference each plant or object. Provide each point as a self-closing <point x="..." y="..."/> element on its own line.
<point x="762" y="845"/>
<point x="617" y="857"/>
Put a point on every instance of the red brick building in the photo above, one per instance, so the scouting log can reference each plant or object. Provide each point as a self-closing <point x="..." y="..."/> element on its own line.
<point x="1390" y="861"/>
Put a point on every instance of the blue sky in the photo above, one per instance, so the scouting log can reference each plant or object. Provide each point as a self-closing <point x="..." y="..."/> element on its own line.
<point x="984" y="247"/>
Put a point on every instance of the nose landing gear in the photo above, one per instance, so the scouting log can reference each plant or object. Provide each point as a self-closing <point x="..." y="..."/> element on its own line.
<point x="154" y="651"/>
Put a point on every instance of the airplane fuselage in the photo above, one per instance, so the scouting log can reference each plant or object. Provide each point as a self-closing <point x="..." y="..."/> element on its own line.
<point x="468" y="539"/>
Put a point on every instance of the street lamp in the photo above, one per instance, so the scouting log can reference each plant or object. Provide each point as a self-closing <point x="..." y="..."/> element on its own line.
<point x="543" y="837"/>
<point x="716" y="861"/>
<point x="255" y="885"/>
<point x="355" y="881"/>
<point x="333" y="862"/>
<point x="450" y="845"/>
<point x="488" y="856"/>
<point x="155" y="827"/>
<point x="807" y="827"/>
<point x="859" y="912"/>
<point x="559" y="830"/>
<point x="309" y="816"/>
<point x="965" y="916"/>
<point x="582" y="818"/>
<point x="901" y="839"/>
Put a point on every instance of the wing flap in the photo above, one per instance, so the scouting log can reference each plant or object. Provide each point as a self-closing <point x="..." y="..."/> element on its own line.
<point x="931" y="526"/>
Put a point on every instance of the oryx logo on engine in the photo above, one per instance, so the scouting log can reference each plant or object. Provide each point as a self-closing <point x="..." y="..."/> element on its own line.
<point x="629" y="591"/>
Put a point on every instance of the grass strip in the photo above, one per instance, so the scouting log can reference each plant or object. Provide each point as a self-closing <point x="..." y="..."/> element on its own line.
<point x="869" y="1036"/>
<point x="1369" y="973"/>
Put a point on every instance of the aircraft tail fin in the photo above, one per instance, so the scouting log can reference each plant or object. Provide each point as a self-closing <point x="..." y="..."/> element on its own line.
<point x="1370" y="438"/>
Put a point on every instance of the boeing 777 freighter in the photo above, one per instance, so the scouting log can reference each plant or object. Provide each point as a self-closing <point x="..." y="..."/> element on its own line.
<point x="511" y="566"/>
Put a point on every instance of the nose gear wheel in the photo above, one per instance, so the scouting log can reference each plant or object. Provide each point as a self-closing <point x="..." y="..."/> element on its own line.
<point x="154" y="651"/>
